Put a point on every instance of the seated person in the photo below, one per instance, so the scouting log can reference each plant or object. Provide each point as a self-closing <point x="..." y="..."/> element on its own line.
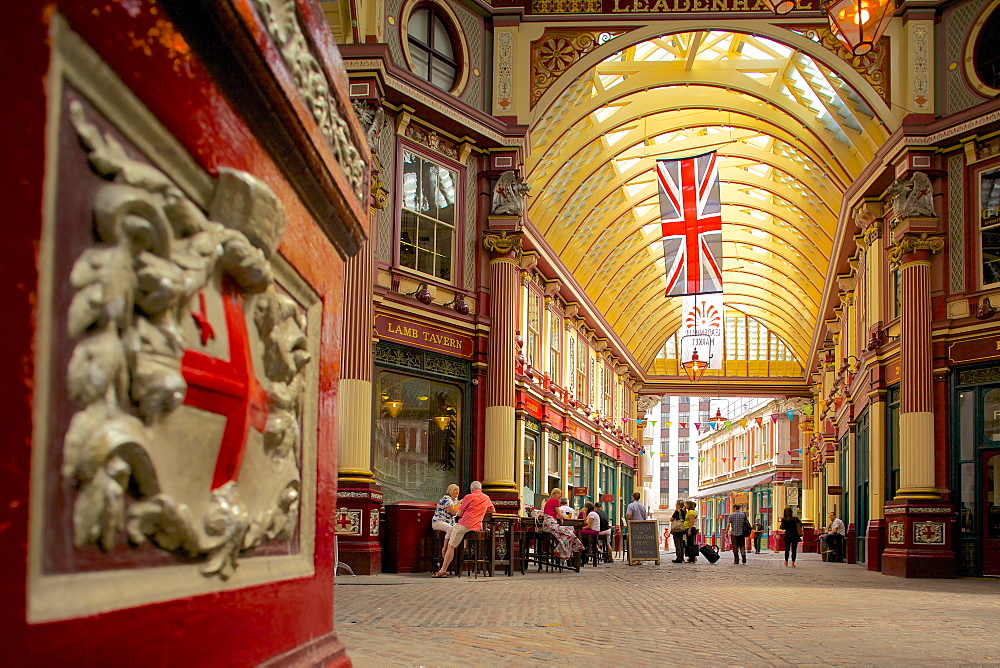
<point x="592" y="521"/>
<point x="834" y="538"/>
<point x="566" y="511"/>
<point x="444" y="514"/>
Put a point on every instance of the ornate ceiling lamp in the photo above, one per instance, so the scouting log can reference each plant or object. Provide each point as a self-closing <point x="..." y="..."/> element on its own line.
<point x="442" y="421"/>
<point x="694" y="367"/>
<point x="859" y="23"/>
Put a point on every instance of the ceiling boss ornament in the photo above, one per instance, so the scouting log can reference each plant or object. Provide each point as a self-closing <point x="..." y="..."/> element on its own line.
<point x="187" y="362"/>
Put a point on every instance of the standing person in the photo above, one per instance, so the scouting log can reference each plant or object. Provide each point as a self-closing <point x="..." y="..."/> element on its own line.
<point x="793" y="533"/>
<point x="691" y="531"/>
<point x="758" y="531"/>
<point x="473" y="508"/>
<point x="444" y="514"/>
<point x="566" y="542"/>
<point x="635" y="511"/>
<point x="739" y="526"/>
<point x="677" y="531"/>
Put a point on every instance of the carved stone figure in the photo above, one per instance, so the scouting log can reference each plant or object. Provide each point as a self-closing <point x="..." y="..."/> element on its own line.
<point x="912" y="197"/>
<point x="509" y="194"/>
<point x="146" y="295"/>
<point x="644" y="402"/>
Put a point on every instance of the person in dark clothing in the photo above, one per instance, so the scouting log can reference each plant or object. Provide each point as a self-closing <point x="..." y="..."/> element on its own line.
<point x="792" y="527"/>
<point x="605" y="531"/>
<point x="677" y="531"/>
<point x="758" y="531"/>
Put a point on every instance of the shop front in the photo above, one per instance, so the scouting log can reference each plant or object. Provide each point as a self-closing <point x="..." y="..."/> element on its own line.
<point x="976" y="470"/>
<point x="421" y="435"/>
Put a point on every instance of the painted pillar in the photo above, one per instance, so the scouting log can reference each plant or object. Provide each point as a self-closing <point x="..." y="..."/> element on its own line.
<point x="499" y="435"/>
<point x="916" y="420"/>
<point x="357" y="491"/>
<point x="919" y="524"/>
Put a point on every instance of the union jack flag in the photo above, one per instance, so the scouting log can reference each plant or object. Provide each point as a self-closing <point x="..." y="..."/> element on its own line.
<point x="691" y="218"/>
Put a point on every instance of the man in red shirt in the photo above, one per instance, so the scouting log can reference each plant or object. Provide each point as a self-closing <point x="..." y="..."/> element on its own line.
<point x="474" y="506"/>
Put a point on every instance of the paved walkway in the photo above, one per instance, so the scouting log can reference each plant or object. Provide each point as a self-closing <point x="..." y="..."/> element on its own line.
<point x="672" y="614"/>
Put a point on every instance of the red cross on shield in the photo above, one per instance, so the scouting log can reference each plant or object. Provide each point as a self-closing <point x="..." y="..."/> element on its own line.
<point x="229" y="388"/>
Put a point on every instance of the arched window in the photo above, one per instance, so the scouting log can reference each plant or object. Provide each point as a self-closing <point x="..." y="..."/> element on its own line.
<point x="986" y="59"/>
<point x="432" y="51"/>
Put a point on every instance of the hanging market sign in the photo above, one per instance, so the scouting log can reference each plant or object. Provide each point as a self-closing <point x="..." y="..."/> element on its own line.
<point x="418" y="335"/>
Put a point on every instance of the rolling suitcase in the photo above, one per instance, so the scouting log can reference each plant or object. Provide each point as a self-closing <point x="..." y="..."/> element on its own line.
<point x="709" y="553"/>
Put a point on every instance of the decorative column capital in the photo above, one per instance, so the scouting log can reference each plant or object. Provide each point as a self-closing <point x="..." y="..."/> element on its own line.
<point x="912" y="243"/>
<point x="503" y="243"/>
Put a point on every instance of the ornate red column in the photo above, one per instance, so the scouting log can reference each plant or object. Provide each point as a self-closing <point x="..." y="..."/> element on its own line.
<point x="919" y="527"/>
<point x="359" y="497"/>
<point x="499" y="435"/>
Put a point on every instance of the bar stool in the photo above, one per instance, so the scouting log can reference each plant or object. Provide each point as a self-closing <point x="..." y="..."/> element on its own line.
<point x="604" y="546"/>
<point x="590" y="549"/>
<point x="474" y="553"/>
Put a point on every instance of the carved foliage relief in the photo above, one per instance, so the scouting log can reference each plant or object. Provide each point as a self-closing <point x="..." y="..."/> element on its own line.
<point x="556" y="50"/>
<point x="180" y="369"/>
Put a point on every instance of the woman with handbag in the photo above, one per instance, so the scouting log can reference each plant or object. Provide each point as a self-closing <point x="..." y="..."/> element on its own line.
<point x="677" y="531"/>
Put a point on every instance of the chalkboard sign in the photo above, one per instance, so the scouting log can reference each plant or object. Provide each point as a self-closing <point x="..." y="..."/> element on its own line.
<point x="643" y="543"/>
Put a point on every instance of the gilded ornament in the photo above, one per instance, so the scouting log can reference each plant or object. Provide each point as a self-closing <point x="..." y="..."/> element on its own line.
<point x="912" y="243"/>
<point x="556" y="51"/>
<point x="502" y="242"/>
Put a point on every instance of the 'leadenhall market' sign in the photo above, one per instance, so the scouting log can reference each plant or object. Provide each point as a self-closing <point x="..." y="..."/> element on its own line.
<point x="651" y="6"/>
<point x="414" y="334"/>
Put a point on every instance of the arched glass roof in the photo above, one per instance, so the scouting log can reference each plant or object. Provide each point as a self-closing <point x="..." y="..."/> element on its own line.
<point x="791" y="136"/>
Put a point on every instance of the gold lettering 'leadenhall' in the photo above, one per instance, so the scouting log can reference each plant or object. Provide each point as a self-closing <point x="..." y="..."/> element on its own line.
<point x="694" y="6"/>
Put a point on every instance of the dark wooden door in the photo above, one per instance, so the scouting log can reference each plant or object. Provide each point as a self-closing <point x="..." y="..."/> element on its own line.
<point x="990" y="504"/>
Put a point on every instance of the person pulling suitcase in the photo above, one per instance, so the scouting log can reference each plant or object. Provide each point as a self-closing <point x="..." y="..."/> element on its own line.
<point x="691" y="532"/>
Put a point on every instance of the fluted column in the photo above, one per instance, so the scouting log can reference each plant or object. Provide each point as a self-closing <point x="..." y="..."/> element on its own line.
<point x="916" y="419"/>
<point x="354" y="424"/>
<point x="499" y="437"/>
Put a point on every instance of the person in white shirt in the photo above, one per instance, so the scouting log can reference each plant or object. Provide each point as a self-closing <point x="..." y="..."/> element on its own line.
<point x="565" y="510"/>
<point x="835" y="538"/>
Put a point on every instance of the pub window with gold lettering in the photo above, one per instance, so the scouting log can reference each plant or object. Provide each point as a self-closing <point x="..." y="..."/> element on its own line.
<point x="428" y="218"/>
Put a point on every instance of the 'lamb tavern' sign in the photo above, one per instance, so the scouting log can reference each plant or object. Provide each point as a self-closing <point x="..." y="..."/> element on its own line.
<point x="415" y="334"/>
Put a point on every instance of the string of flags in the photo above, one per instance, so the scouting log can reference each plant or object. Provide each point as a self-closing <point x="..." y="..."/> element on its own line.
<point x="712" y="425"/>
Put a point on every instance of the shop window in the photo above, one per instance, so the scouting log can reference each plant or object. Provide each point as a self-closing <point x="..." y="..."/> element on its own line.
<point x="581" y="370"/>
<point x="892" y="443"/>
<point x="417" y="439"/>
<point x="989" y="225"/>
<point x="533" y="327"/>
<point x="428" y="218"/>
<point x="555" y="347"/>
<point x="553" y="464"/>
<point x="530" y="466"/>
<point x="433" y="52"/>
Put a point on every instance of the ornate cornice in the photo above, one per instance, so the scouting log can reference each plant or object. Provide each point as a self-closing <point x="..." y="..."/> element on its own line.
<point x="502" y="242"/>
<point x="912" y="243"/>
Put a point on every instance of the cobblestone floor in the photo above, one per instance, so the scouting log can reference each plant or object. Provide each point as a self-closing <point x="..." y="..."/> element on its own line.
<point x="672" y="614"/>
